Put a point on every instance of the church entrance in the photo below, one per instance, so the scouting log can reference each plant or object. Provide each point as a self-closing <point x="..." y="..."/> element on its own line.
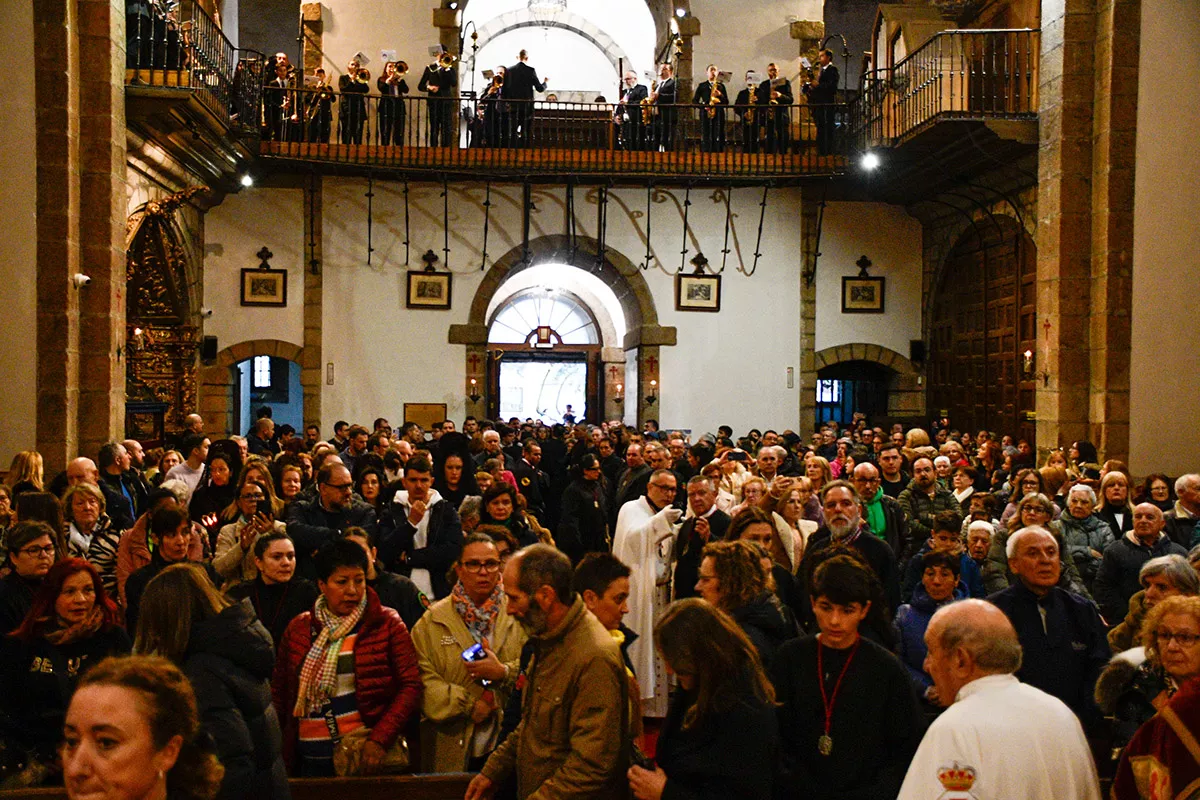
<point x="267" y="381"/>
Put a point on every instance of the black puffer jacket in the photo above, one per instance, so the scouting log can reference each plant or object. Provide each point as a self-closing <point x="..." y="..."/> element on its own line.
<point x="229" y="661"/>
<point x="767" y="623"/>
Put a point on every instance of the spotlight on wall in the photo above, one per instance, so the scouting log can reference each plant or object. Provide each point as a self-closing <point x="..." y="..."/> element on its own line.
<point x="80" y="280"/>
<point x="247" y="181"/>
<point x="620" y="395"/>
<point x="681" y="12"/>
<point x="205" y="312"/>
<point x="871" y="162"/>
<point x="474" y="393"/>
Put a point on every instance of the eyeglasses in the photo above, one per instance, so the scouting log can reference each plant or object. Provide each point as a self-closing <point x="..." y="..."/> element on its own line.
<point x="481" y="566"/>
<point x="259" y="496"/>
<point x="1185" y="639"/>
<point x="47" y="550"/>
<point x="341" y="487"/>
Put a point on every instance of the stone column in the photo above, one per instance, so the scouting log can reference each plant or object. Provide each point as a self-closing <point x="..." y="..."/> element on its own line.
<point x="806" y="383"/>
<point x="612" y="363"/>
<point x="313" y="30"/>
<point x="689" y="28"/>
<point x="648" y="370"/>
<point x="448" y="22"/>
<point x="102" y="215"/>
<point x="312" y="366"/>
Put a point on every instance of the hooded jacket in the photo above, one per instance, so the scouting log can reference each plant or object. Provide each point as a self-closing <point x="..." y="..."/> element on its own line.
<point x="766" y="623"/>
<point x="229" y="661"/>
<point x="912" y="620"/>
<point x="443" y="540"/>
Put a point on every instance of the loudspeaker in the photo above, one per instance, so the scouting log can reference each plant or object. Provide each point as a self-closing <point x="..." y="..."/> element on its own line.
<point x="208" y="348"/>
<point x="916" y="351"/>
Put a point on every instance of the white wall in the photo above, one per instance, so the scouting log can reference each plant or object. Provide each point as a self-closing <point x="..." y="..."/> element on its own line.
<point x="18" y="246"/>
<point x="892" y="240"/>
<point x="741" y="36"/>
<point x="354" y="25"/>
<point x="1165" y="383"/>
<point x="234" y="232"/>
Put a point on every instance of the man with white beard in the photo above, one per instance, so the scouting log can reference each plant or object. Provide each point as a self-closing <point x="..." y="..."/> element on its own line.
<point x="644" y="540"/>
<point x="845" y="526"/>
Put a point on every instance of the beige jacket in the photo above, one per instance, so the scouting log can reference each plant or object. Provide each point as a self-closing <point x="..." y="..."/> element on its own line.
<point x="440" y="637"/>
<point x="570" y="742"/>
<point x="231" y="562"/>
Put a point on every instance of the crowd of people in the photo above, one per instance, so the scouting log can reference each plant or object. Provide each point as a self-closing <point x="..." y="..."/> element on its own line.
<point x="595" y="611"/>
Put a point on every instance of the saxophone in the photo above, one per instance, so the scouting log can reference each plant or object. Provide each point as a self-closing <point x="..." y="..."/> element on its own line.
<point x="714" y="99"/>
<point x="753" y="100"/>
<point x="647" y="106"/>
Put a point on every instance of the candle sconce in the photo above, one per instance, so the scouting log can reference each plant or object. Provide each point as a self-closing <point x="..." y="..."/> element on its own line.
<point x="653" y="395"/>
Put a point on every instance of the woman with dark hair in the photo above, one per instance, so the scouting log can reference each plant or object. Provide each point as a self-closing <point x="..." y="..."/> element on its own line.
<point x="229" y="657"/>
<point x="71" y="626"/>
<point x="454" y="469"/>
<point x="234" y="559"/>
<point x="501" y="507"/>
<point x="369" y="483"/>
<point x="42" y="507"/>
<point x="132" y="733"/>
<point x="210" y="502"/>
<point x="1084" y="461"/>
<point x="276" y="592"/>
<point x="346" y="670"/>
<point x="1028" y="481"/>
<point x="31" y="554"/>
<point x="171" y="532"/>
<point x="583" y="520"/>
<point x="939" y="585"/>
<point x="1156" y="489"/>
<point x="733" y="579"/>
<point x="755" y="525"/>
<point x="719" y="739"/>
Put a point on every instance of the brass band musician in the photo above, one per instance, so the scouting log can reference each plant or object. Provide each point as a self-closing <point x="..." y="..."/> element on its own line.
<point x="663" y="98"/>
<point x="354" y="87"/>
<point x="392" y="91"/>
<point x="281" y="116"/>
<point x="630" y="114"/>
<point x="749" y="113"/>
<point x="319" y="114"/>
<point x="440" y="84"/>
<point x="776" y="93"/>
<point x="712" y="98"/>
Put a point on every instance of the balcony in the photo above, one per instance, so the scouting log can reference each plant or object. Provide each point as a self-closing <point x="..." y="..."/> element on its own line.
<point x="959" y="105"/>
<point x="462" y="137"/>
<point x="187" y="93"/>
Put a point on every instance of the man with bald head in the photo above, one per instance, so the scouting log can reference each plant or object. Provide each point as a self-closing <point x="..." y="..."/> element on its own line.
<point x="312" y="523"/>
<point x="1003" y="737"/>
<point x="1117" y="579"/>
<point x="883" y="514"/>
<point x="1061" y="633"/>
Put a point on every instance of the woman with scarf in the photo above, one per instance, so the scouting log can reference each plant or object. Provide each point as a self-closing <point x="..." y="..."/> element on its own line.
<point x="463" y="699"/>
<point x="90" y="532"/>
<point x="347" y="665"/>
<point x="71" y="626"/>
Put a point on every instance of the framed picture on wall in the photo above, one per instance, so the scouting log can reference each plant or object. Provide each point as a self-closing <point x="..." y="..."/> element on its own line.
<point x="697" y="292"/>
<point x="425" y="414"/>
<point x="264" y="287"/>
<point x="862" y="295"/>
<point x="428" y="289"/>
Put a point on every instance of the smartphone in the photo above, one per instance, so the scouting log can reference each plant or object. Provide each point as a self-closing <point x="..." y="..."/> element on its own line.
<point x="474" y="653"/>
<point x="264" y="507"/>
<point x="737" y="455"/>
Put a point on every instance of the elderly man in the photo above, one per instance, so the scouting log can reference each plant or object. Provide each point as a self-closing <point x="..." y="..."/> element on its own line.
<point x="844" y="525"/>
<point x="312" y="523"/>
<point x="884" y="515"/>
<point x="492" y="449"/>
<point x="574" y="704"/>
<point x="1117" y="577"/>
<point x="644" y="539"/>
<point x="114" y="465"/>
<point x="768" y="463"/>
<point x="707" y="524"/>
<point x="921" y="502"/>
<point x="1181" y="520"/>
<point x="999" y="738"/>
<point x="1060" y="632"/>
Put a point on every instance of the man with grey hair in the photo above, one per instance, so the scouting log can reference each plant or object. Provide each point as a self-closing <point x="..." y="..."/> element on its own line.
<point x="1117" y="577"/>
<point x="706" y="523"/>
<point x="1181" y="520"/>
<point x="845" y="526"/>
<point x="1061" y="632"/>
<point x="1162" y="577"/>
<point x="998" y="738"/>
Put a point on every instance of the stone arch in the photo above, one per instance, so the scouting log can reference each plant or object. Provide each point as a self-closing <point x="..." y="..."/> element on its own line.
<point x="906" y="399"/>
<point x="643" y="333"/>
<point x="521" y="18"/>
<point x="218" y="383"/>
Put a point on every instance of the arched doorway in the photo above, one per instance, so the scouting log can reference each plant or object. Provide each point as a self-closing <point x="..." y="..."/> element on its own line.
<point x="221" y="392"/>
<point x="867" y="378"/>
<point x="271" y="382"/>
<point x="984" y="319"/>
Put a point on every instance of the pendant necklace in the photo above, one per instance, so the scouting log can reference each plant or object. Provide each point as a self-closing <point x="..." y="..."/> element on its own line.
<point x="825" y="741"/>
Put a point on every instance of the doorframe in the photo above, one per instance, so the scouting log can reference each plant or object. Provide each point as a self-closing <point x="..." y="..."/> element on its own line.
<point x="594" y="382"/>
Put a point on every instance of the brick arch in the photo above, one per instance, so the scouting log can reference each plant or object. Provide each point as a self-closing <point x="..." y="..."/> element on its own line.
<point x="906" y="395"/>
<point x="218" y="382"/>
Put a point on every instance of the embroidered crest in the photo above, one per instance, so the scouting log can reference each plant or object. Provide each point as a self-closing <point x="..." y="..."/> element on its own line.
<point x="957" y="780"/>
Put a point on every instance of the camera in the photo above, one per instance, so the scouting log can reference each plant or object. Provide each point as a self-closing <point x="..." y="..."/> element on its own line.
<point x="206" y="312"/>
<point x="80" y="280"/>
<point x="264" y="508"/>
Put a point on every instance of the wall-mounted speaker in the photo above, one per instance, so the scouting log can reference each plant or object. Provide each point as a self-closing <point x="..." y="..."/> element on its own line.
<point x="916" y="351"/>
<point x="208" y="349"/>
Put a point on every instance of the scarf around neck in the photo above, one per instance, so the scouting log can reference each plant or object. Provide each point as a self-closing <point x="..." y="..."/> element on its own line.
<point x="318" y="674"/>
<point x="480" y="620"/>
<point x="80" y="630"/>
<point x="875" y="518"/>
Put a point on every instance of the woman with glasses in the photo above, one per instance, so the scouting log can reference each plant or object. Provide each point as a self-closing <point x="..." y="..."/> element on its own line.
<point x="464" y="694"/>
<point x="1141" y="684"/>
<point x="31" y="553"/>
<point x="1028" y="481"/>
<point x="234" y="560"/>
<point x="71" y="625"/>
<point x="1034" y="510"/>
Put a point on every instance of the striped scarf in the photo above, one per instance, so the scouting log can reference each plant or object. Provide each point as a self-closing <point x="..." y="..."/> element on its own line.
<point x="318" y="674"/>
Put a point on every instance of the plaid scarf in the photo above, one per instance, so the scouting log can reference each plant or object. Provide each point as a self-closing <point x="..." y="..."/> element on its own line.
<point x="318" y="674"/>
<point x="480" y="620"/>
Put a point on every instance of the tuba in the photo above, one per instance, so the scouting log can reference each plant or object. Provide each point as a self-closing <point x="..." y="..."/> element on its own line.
<point x="714" y="98"/>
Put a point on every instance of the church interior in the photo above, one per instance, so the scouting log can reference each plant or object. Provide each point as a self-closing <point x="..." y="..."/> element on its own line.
<point x="1000" y="228"/>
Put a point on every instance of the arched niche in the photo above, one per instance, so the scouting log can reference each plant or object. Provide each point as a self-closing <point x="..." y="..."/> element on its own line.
<point x="905" y="399"/>
<point x="218" y="380"/>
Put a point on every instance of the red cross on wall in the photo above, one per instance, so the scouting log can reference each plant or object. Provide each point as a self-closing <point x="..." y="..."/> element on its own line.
<point x="474" y="362"/>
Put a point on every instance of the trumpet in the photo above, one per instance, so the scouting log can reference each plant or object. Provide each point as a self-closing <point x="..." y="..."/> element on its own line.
<point x="446" y="60"/>
<point x="714" y="99"/>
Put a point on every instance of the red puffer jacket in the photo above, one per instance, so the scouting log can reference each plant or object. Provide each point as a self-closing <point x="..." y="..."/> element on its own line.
<point x="387" y="682"/>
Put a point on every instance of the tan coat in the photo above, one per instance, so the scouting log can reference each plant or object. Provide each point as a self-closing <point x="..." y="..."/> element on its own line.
<point x="570" y="742"/>
<point x="440" y="637"/>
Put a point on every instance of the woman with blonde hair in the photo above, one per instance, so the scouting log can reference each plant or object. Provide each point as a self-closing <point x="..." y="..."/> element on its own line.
<point x="754" y="489"/>
<point x="229" y="657"/>
<point x="788" y="517"/>
<point x="1114" y="507"/>
<point x="817" y="470"/>
<point x="90" y="533"/>
<point x="25" y="472"/>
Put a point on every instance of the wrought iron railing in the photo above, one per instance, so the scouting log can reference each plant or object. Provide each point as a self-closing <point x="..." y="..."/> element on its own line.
<point x="447" y="133"/>
<point x="962" y="74"/>
<point x="185" y="48"/>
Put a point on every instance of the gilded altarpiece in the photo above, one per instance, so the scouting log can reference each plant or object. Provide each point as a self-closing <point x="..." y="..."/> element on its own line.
<point x="163" y="339"/>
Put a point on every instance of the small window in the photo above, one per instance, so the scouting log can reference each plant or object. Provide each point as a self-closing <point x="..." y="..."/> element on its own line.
<point x="262" y="372"/>
<point x="829" y="391"/>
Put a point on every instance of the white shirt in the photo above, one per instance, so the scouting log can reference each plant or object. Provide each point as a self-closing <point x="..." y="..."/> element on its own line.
<point x="421" y="538"/>
<point x="185" y="473"/>
<point x="1019" y="742"/>
<point x="643" y="541"/>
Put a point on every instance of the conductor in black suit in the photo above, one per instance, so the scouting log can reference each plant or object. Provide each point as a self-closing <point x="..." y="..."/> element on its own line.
<point x="776" y="94"/>
<point x="708" y="524"/>
<point x="440" y="83"/>
<point x="520" y="81"/>
<point x="664" y="97"/>
<point x="822" y="93"/>
<point x="629" y="113"/>
<point x="713" y="98"/>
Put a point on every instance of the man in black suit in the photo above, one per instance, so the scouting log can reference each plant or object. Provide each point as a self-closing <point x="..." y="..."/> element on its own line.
<point x="628" y="115"/>
<point x="532" y="483"/>
<point x="822" y="93"/>
<point x="664" y="97"/>
<point x="776" y="94"/>
<point x="749" y="113"/>
<point x="712" y="97"/>
<point x="440" y="84"/>
<point x="520" y="81"/>
<point x="709" y="524"/>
